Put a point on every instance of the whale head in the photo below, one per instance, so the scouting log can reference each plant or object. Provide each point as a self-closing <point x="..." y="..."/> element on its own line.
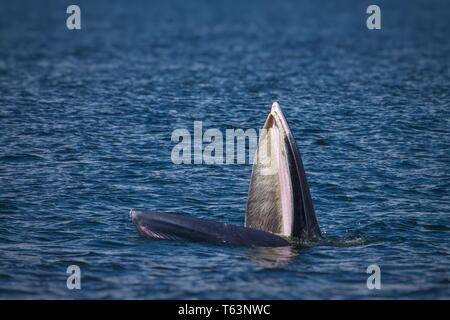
<point x="279" y="200"/>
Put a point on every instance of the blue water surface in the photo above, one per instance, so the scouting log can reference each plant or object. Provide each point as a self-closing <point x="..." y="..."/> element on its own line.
<point x="86" y="119"/>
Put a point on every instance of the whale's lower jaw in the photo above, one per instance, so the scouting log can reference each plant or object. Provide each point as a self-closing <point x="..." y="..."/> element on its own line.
<point x="167" y="226"/>
<point x="279" y="200"/>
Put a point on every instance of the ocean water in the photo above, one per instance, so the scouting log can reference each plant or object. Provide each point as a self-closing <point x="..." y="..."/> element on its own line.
<point x="86" y="119"/>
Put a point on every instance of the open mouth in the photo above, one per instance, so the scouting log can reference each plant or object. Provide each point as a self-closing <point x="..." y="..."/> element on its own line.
<point x="279" y="200"/>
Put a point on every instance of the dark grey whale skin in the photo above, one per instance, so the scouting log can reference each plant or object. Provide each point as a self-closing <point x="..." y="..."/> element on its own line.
<point x="180" y="227"/>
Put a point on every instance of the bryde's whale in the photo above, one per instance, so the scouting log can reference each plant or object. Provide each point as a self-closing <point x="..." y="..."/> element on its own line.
<point x="279" y="204"/>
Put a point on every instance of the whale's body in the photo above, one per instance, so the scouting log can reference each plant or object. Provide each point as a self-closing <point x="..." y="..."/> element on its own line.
<point x="279" y="202"/>
<point x="181" y="227"/>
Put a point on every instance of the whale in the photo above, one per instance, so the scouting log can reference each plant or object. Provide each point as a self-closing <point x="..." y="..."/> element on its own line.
<point x="181" y="227"/>
<point x="279" y="204"/>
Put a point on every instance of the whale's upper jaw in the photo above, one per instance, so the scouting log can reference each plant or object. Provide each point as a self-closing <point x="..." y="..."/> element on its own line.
<point x="180" y="227"/>
<point x="279" y="200"/>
